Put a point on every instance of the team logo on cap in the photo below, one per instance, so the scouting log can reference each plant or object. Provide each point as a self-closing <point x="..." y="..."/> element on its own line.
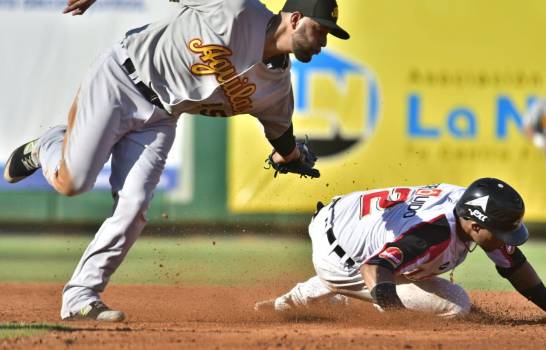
<point x="393" y="255"/>
<point x="335" y="13"/>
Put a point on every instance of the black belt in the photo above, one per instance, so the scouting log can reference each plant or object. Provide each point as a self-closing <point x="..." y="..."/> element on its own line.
<point x="330" y="234"/>
<point x="337" y="249"/>
<point x="148" y="93"/>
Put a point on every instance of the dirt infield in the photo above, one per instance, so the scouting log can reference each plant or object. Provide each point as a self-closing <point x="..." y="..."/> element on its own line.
<point x="204" y="317"/>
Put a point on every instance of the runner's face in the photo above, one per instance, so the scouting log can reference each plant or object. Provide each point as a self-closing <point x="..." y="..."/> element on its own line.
<point x="308" y="39"/>
<point x="484" y="238"/>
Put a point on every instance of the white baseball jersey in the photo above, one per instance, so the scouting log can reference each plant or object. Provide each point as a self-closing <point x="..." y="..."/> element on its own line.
<point x="410" y="230"/>
<point x="208" y="60"/>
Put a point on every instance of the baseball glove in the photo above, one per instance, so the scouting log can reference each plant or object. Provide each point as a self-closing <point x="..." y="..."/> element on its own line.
<point x="302" y="166"/>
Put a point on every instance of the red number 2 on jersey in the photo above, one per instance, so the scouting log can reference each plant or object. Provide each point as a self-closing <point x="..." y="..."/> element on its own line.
<point x="383" y="199"/>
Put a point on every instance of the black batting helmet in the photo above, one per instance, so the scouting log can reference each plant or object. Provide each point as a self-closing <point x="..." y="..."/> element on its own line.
<point x="496" y="206"/>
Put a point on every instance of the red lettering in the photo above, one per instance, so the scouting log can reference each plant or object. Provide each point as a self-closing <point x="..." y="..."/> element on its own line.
<point x="385" y="199"/>
<point x="428" y="192"/>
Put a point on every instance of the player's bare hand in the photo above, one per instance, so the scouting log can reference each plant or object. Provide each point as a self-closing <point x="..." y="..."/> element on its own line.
<point x="78" y="7"/>
<point x="278" y="158"/>
<point x="300" y="161"/>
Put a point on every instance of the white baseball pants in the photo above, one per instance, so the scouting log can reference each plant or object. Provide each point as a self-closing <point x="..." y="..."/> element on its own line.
<point x="435" y="295"/>
<point x="109" y="118"/>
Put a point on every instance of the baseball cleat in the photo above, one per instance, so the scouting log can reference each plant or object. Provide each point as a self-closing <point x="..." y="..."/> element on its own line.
<point x="285" y="303"/>
<point x="21" y="163"/>
<point x="281" y="304"/>
<point x="266" y="305"/>
<point x="97" y="311"/>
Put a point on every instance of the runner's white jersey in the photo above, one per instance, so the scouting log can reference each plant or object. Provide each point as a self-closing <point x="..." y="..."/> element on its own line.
<point x="208" y="59"/>
<point x="410" y="230"/>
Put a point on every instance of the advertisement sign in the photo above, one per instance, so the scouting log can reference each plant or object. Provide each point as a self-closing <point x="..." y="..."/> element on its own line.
<point x="45" y="56"/>
<point x="423" y="92"/>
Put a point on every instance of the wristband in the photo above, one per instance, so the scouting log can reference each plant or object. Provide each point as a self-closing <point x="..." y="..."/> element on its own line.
<point x="285" y="144"/>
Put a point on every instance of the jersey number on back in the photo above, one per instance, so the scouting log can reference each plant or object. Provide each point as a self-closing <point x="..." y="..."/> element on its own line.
<point x="383" y="199"/>
<point x="386" y="199"/>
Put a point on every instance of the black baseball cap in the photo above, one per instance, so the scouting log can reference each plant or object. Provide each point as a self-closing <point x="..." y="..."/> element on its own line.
<point x="497" y="206"/>
<point x="324" y="12"/>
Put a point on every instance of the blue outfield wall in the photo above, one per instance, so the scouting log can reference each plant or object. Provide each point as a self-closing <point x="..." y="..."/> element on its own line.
<point x="34" y="200"/>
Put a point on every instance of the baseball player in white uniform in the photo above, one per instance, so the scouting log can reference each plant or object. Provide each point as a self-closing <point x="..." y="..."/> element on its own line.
<point x="213" y="57"/>
<point x="388" y="246"/>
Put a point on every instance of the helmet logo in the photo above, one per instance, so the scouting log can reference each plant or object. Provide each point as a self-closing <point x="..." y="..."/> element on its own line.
<point x="479" y="202"/>
<point x="335" y="13"/>
<point x="478" y="214"/>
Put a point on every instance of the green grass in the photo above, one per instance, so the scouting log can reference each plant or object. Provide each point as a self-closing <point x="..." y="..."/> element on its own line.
<point x="237" y="260"/>
<point x="478" y="271"/>
<point x="13" y="330"/>
<point x="203" y="260"/>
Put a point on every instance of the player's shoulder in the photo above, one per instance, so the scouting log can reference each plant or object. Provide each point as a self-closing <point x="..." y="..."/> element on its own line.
<point x="437" y="188"/>
<point x="233" y="7"/>
<point x="449" y="186"/>
<point x="438" y="199"/>
<point x="408" y="192"/>
<point x="450" y="189"/>
<point x="201" y="3"/>
<point x="440" y="187"/>
<point x="238" y="7"/>
<point x="444" y="192"/>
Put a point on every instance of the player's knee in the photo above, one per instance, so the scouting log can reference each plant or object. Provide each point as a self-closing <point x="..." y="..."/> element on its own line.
<point x="71" y="188"/>
<point x="67" y="184"/>
<point x="437" y="296"/>
<point x="464" y="304"/>
<point x="459" y="303"/>
<point x="456" y="310"/>
<point x="68" y="190"/>
<point x="461" y="310"/>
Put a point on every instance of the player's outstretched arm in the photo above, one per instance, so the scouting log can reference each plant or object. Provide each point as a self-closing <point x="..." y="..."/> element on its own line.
<point x="289" y="156"/>
<point x="527" y="282"/>
<point x="380" y="282"/>
<point x="78" y="7"/>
